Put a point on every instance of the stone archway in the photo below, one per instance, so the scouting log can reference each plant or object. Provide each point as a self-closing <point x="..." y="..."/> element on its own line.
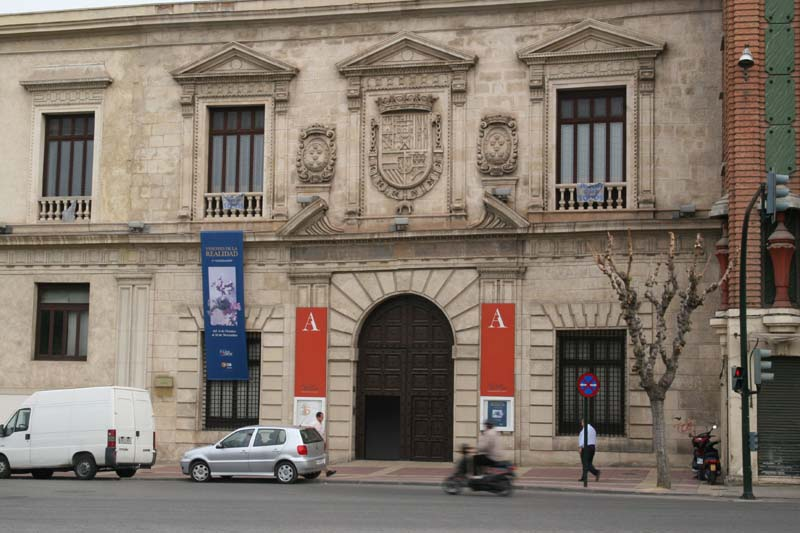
<point x="404" y="384"/>
<point x="353" y="298"/>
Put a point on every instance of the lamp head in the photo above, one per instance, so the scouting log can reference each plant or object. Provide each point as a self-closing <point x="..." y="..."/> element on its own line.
<point x="746" y="59"/>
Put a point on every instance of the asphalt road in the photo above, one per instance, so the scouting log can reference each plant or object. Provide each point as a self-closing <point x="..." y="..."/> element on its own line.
<point x="105" y="505"/>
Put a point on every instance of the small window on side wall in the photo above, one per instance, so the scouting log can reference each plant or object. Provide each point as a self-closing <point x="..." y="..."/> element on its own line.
<point x="62" y="322"/>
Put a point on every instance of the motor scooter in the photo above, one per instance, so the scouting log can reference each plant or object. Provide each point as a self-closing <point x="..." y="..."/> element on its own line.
<point x="497" y="479"/>
<point x="705" y="459"/>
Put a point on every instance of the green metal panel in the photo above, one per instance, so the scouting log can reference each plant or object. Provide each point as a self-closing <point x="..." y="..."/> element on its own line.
<point x="780" y="100"/>
<point x="780" y="149"/>
<point x="780" y="49"/>
<point x="779" y="11"/>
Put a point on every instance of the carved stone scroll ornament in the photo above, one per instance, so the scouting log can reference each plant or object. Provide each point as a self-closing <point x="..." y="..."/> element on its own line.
<point x="406" y="154"/>
<point x="497" y="145"/>
<point x="316" y="154"/>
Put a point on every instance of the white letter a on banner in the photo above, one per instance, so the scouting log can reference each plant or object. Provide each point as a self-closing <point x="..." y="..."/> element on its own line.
<point x="310" y="322"/>
<point x="497" y="320"/>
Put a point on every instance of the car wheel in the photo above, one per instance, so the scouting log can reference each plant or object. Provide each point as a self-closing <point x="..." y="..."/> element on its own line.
<point x="5" y="468"/>
<point x="85" y="467"/>
<point x="312" y="475"/>
<point x="200" y="472"/>
<point x="42" y="474"/>
<point x="126" y="472"/>
<point x="286" y="473"/>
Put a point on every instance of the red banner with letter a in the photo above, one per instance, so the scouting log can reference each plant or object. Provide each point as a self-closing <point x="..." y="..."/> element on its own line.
<point x="311" y="349"/>
<point x="497" y="350"/>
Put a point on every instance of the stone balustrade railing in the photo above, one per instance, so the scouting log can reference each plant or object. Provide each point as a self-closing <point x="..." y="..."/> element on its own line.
<point x="614" y="198"/>
<point x="65" y="208"/>
<point x="217" y="207"/>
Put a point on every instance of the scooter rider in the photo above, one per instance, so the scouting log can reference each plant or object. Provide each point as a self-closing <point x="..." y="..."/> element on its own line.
<point x="488" y="446"/>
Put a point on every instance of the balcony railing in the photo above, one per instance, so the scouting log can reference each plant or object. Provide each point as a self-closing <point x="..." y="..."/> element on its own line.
<point x="615" y="197"/>
<point x="221" y="205"/>
<point x="65" y="208"/>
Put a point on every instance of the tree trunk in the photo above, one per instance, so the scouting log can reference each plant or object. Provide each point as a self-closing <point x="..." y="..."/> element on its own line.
<point x="660" y="444"/>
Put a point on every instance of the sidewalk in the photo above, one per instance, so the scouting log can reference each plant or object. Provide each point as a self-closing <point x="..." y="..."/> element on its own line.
<point x="622" y="480"/>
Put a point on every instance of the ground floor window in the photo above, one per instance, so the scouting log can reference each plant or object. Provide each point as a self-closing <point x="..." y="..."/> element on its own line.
<point x="232" y="404"/>
<point x="62" y="321"/>
<point x="601" y="352"/>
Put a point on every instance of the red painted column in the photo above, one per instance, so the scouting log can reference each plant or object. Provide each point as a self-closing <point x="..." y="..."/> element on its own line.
<point x="781" y="248"/>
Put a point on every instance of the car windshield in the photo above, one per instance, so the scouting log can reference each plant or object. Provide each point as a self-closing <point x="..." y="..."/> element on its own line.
<point x="310" y="435"/>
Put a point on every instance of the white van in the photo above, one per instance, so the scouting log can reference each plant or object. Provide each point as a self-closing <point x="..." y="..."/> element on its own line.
<point x="85" y="430"/>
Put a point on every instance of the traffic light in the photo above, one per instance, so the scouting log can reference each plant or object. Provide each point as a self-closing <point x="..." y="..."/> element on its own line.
<point x="777" y="193"/>
<point x="759" y="365"/>
<point x="737" y="377"/>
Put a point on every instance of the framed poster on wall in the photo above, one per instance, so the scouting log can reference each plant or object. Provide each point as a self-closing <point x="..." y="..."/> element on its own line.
<point x="306" y="409"/>
<point x="498" y="409"/>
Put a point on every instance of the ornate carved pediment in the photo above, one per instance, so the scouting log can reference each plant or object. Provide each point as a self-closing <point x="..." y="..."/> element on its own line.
<point x="316" y="154"/>
<point x="592" y="37"/>
<point x="234" y="62"/>
<point x="311" y="220"/>
<point x="235" y="70"/>
<point x="498" y="215"/>
<point x="407" y="51"/>
<point x="497" y="145"/>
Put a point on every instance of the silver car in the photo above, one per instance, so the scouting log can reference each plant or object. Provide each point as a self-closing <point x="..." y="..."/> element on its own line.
<point x="282" y="452"/>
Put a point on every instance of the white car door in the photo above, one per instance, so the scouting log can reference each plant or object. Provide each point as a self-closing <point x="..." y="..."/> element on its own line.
<point x="15" y="441"/>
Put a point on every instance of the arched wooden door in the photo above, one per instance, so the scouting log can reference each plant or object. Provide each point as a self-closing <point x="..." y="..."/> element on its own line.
<point x="404" y="391"/>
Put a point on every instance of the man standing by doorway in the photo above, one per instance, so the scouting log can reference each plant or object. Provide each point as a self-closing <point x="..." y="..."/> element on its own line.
<point x="319" y="425"/>
<point x="587" y="454"/>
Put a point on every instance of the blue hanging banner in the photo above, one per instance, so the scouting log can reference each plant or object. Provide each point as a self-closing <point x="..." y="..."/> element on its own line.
<point x="223" y="305"/>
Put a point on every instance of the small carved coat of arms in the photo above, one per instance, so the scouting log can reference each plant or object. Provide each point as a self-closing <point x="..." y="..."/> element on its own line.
<point x="406" y="154"/>
<point x="497" y="145"/>
<point x="316" y="154"/>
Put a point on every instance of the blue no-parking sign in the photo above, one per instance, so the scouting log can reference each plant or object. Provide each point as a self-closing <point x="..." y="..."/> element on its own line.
<point x="588" y="385"/>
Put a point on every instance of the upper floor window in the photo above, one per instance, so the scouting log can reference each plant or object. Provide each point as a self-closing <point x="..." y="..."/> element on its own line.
<point x="591" y="149"/>
<point x="62" y="323"/>
<point x="236" y="150"/>
<point x="68" y="151"/>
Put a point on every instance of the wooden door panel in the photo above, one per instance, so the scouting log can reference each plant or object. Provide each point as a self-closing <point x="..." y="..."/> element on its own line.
<point x="405" y="351"/>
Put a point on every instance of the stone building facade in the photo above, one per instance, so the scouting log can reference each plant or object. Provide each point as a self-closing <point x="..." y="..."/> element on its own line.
<point x="391" y="157"/>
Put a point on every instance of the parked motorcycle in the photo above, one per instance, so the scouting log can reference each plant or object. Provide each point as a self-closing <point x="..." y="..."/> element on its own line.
<point x="496" y="479"/>
<point x="705" y="459"/>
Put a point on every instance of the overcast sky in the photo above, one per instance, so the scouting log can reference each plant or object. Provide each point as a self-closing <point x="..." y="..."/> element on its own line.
<point x="26" y="6"/>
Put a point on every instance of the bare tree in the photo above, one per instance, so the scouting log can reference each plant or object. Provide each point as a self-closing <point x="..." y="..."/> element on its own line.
<point x="660" y="293"/>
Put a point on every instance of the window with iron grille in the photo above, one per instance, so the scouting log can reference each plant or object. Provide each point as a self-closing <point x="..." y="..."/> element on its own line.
<point x="236" y="151"/>
<point x="68" y="151"/>
<point x="601" y="352"/>
<point x="62" y="322"/>
<point x="232" y="404"/>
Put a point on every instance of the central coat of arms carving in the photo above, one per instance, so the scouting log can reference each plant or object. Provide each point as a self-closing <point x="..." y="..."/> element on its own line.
<point x="406" y="154"/>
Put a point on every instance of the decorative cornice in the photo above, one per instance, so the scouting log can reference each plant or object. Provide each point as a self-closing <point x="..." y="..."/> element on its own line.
<point x="498" y="215"/>
<point x="68" y="77"/>
<point x="234" y="63"/>
<point x="415" y="53"/>
<point x="494" y="272"/>
<point x="311" y="220"/>
<point x="310" y="278"/>
<point x="405" y="102"/>
<point x="614" y="40"/>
